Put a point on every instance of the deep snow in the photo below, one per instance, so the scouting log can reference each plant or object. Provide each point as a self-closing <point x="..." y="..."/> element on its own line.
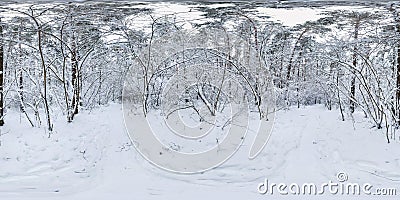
<point x="92" y="158"/>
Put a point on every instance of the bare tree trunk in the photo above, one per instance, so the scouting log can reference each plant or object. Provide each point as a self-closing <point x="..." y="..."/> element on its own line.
<point x="1" y="78"/>
<point x="44" y="71"/>
<point x="20" y="73"/>
<point x="74" y="78"/>
<point x="398" y="75"/>
<point x="46" y="104"/>
<point x="289" y="68"/>
<point x="338" y="95"/>
<point x="64" y="79"/>
<point x="99" y="93"/>
<point x="20" y="79"/>
<point x="281" y="61"/>
<point x="353" y="78"/>
<point x="396" y="68"/>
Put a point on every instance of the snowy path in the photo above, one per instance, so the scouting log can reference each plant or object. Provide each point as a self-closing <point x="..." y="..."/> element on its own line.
<point x="93" y="159"/>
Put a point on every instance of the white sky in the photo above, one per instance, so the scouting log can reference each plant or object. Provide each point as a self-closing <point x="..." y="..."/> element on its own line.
<point x="291" y="17"/>
<point x="221" y="5"/>
<point x="300" y="15"/>
<point x="187" y="14"/>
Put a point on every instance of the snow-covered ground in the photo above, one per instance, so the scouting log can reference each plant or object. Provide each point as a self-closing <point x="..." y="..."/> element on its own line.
<point x="92" y="158"/>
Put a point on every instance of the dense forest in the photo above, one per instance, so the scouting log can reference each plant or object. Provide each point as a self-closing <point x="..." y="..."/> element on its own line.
<point x="65" y="57"/>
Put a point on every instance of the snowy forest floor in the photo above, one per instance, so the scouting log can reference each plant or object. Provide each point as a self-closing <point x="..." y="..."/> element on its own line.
<point x="92" y="158"/>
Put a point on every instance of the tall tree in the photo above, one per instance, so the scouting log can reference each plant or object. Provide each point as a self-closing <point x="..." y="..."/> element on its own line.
<point x="353" y="78"/>
<point x="1" y="77"/>
<point x="396" y="17"/>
